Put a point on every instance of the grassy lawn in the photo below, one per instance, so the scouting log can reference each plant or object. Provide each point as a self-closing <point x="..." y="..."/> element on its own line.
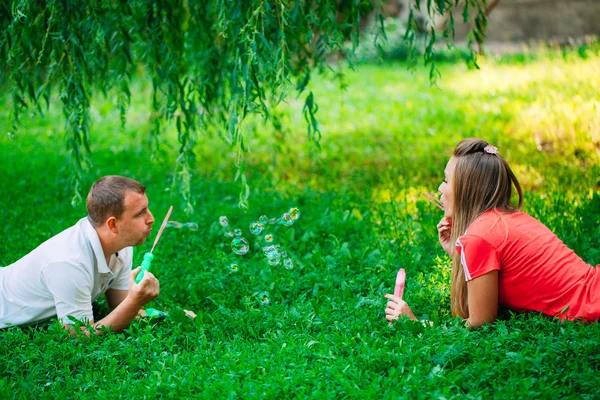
<point x="386" y="140"/>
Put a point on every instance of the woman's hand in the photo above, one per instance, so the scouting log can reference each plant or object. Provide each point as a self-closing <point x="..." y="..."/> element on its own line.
<point x="444" y="230"/>
<point x="397" y="307"/>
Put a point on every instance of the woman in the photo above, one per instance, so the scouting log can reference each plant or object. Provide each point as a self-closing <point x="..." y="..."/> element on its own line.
<point x="502" y="256"/>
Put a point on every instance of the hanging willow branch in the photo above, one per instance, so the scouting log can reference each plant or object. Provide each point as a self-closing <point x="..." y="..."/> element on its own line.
<point x="207" y="59"/>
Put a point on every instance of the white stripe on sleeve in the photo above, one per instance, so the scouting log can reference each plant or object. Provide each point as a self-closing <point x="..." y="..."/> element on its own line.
<point x="463" y="261"/>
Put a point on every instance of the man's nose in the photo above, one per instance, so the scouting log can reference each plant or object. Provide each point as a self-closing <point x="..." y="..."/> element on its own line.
<point x="151" y="218"/>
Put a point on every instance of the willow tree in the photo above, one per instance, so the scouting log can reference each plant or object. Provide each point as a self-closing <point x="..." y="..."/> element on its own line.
<point x="217" y="60"/>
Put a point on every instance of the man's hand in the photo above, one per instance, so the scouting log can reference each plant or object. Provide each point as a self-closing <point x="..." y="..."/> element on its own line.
<point x="138" y="295"/>
<point x="144" y="292"/>
<point x="444" y="230"/>
<point x="397" y="307"/>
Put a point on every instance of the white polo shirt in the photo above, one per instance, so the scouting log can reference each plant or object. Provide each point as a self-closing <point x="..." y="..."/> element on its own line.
<point x="61" y="277"/>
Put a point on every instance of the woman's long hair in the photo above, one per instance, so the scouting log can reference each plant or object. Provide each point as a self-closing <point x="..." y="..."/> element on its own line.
<point x="482" y="181"/>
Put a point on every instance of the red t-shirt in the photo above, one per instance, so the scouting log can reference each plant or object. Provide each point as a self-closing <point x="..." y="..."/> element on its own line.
<point x="536" y="270"/>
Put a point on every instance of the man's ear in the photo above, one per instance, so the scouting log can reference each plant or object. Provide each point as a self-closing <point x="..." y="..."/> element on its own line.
<point x="111" y="224"/>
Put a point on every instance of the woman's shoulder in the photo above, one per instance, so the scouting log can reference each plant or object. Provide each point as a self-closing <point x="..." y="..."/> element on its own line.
<point x="498" y="214"/>
<point x="499" y="222"/>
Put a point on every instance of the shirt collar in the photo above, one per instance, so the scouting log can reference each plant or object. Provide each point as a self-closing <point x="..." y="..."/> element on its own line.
<point x="92" y="235"/>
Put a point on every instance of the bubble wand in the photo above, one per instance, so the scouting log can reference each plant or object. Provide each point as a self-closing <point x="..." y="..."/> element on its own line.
<point x="148" y="257"/>
<point x="399" y="288"/>
<point x="433" y="198"/>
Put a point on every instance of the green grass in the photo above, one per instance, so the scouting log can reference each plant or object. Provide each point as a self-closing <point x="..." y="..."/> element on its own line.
<point x="386" y="139"/>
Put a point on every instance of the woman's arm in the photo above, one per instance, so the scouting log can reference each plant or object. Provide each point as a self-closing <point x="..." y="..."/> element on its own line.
<point x="483" y="299"/>
<point x="397" y="307"/>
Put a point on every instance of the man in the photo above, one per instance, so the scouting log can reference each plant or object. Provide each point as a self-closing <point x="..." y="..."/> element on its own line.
<point x="65" y="274"/>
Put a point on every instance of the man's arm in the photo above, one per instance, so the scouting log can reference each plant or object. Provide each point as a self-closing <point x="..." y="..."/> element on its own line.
<point x="114" y="297"/>
<point x="128" y="306"/>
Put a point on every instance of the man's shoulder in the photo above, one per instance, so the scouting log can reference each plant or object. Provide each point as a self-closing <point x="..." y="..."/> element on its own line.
<point x="70" y="245"/>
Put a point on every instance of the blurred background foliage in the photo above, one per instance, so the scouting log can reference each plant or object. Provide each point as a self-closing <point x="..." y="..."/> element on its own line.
<point x="210" y="64"/>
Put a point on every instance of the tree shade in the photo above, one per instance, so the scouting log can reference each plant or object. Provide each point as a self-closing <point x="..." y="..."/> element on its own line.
<point x="209" y="61"/>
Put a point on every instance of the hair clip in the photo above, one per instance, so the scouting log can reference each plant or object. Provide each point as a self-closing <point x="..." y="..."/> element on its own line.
<point x="490" y="149"/>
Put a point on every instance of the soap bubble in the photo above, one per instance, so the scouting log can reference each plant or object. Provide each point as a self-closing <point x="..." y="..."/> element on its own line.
<point x="192" y="226"/>
<point x="237" y="232"/>
<point x="229" y="234"/>
<point x="294" y="213"/>
<point x="272" y="254"/>
<point x="234" y="267"/>
<point x="268" y="238"/>
<point x="269" y="248"/>
<point x="263" y="298"/>
<point x="240" y="246"/>
<point x="274" y="261"/>
<point x="223" y="221"/>
<point x="263" y="219"/>
<point x="284" y="254"/>
<point x="256" y="228"/>
<point x="286" y="219"/>
<point x="273" y="221"/>
<point x="272" y="247"/>
<point x="288" y="263"/>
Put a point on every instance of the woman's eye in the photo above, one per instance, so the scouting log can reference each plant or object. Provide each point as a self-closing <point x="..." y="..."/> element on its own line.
<point x="445" y="181"/>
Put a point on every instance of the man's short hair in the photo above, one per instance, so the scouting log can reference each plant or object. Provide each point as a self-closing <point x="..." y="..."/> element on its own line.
<point x="107" y="197"/>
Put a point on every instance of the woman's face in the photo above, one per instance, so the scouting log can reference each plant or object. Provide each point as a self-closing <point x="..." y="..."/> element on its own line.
<point x="447" y="197"/>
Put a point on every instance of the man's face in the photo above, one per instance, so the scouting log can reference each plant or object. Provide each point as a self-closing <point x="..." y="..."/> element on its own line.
<point x="135" y="224"/>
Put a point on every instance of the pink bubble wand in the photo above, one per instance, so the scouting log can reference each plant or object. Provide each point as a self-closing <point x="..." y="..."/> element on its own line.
<point x="399" y="288"/>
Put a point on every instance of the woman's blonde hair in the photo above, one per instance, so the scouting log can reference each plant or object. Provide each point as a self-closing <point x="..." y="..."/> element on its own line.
<point x="482" y="181"/>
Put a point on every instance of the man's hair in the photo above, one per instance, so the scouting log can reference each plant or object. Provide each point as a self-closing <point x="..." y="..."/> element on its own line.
<point x="107" y="197"/>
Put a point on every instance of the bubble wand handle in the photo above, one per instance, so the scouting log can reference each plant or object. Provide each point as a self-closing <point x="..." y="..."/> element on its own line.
<point x="399" y="288"/>
<point x="148" y="257"/>
<point x="146" y="264"/>
<point x="154" y="313"/>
